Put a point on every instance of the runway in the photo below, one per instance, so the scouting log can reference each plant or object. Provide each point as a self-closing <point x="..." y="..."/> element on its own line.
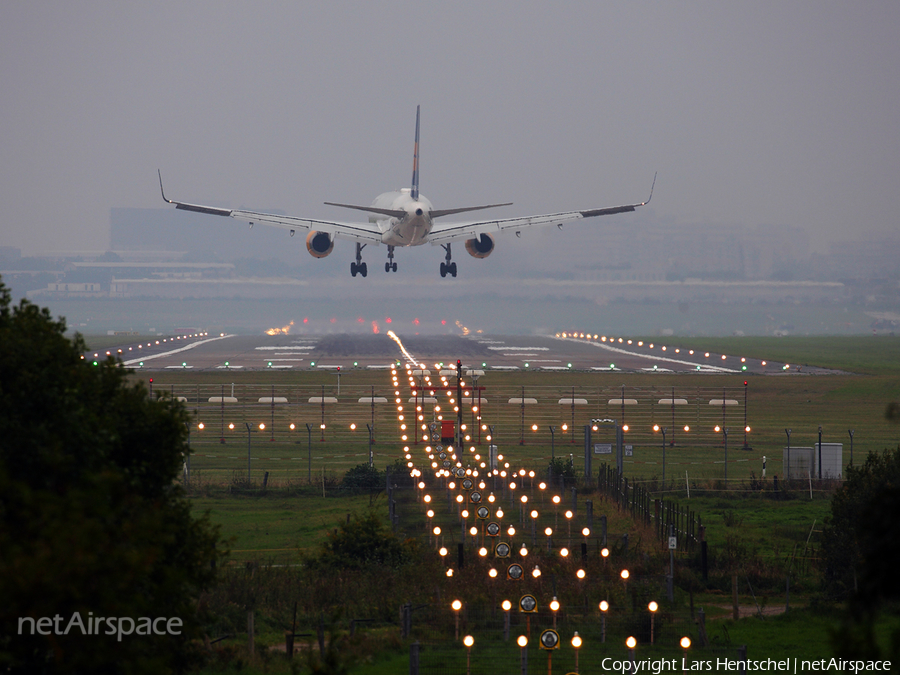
<point x="558" y="353"/>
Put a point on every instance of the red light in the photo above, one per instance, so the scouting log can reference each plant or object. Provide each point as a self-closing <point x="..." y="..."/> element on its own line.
<point x="416" y="321"/>
<point x="333" y="319"/>
<point x="388" y="320"/>
<point x="151" y="380"/>
<point x="359" y="319"/>
<point x="443" y="322"/>
<point x="305" y="320"/>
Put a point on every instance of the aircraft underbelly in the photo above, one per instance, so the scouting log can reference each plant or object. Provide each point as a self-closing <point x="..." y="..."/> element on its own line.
<point x="412" y="233"/>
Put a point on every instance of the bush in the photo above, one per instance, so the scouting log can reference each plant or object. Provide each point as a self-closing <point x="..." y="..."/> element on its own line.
<point x="363" y="542"/>
<point x="363" y="477"/>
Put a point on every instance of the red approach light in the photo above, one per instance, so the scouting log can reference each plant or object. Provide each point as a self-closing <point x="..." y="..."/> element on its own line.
<point x="305" y="320"/>
<point x="151" y="380"/>
<point x="360" y="320"/>
<point x="745" y="383"/>
<point x="443" y="322"/>
<point x="387" y="320"/>
<point x="333" y="319"/>
<point x="416" y="321"/>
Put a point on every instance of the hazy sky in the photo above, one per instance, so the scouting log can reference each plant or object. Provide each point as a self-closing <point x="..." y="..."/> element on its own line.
<point x="753" y="113"/>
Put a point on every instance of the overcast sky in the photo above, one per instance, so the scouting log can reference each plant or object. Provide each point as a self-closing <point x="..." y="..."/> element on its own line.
<point x="764" y="112"/>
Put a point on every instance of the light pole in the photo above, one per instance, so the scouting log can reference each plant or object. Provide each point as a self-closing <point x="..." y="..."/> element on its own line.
<point x="725" y="436"/>
<point x="468" y="641"/>
<point x="787" y="473"/>
<point x="663" y="430"/>
<point x="522" y="641"/>
<point x="371" y="458"/>
<point x="685" y="645"/>
<point x="604" y="608"/>
<point x="652" y="607"/>
<point x="631" y="643"/>
<point x="249" y="431"/>
<point x="820" y="454"/>
<point x="576" y="643"/>
<point x="552" y="443"/>
<point x="725" y="433"/>
<point x="309" y="453"/>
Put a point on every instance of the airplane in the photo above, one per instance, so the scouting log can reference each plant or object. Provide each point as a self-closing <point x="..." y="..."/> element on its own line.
<point x="404" y="218"/>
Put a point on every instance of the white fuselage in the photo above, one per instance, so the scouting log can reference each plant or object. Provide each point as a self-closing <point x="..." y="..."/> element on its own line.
<point x="410" y="230"/>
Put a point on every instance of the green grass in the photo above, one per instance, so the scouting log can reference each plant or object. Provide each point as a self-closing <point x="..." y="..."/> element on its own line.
<point x="764" y="536"/>
<point x="276" y="527"/>
<point x="871" y="354"/>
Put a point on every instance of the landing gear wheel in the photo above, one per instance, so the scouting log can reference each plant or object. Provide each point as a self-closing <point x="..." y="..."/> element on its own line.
<point x="390" y="265"/>
<point x="358" y="267"/>
<point x="447" y="267"/>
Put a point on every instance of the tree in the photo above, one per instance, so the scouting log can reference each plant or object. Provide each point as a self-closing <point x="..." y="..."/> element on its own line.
<point x="92" y="523"/>
<point x="860" y="549"/>
<point x="860" y="540"/>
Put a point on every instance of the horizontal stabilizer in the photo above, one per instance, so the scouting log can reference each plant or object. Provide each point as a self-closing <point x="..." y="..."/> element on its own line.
<point x="449" y="212"/>
<point x="393" y="213"/>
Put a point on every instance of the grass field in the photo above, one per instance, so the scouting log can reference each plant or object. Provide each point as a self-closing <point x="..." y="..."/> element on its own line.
<point x="766" y="538"/>
<point x="837" y="403"/>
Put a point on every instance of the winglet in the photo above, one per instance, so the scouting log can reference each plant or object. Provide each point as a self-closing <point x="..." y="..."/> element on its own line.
<point x="651" y="189"/>
<point x="211" y="210"/>
<point x="161" y="188"/>
<point x="414" y="193"/>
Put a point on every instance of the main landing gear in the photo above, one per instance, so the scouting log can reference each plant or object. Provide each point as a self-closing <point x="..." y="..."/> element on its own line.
<point x="448" y="267"/>
<point x="390" y="265"/>
<point x="359" y="266"/>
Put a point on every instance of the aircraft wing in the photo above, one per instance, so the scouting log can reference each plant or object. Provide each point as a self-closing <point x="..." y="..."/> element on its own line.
<point x="442" y="233"/>
<point x="362" y="232"/>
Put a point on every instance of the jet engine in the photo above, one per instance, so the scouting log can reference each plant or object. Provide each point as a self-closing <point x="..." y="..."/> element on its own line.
<point x="481" y="246"/>
<point x="319" y="244"/>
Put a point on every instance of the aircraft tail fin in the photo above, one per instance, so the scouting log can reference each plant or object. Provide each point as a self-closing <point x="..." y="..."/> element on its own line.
<point x="414" y="192"/>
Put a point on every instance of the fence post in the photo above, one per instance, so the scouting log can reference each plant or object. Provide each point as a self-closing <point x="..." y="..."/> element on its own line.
<point x="701" y="628"/>
<point x="251" y="647"/>
<point x="405" y="620"/>
<point x="414" y="659"/>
